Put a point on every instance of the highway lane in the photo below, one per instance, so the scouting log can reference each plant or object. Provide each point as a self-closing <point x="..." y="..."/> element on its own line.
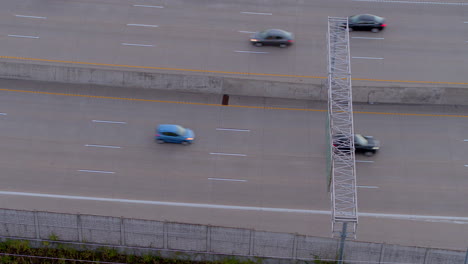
<point x="416" y="46"/>
<point x="48" y="146"/>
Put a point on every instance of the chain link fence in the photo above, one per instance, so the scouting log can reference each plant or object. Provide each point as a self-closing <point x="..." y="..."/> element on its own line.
<point x="190" y="238"/>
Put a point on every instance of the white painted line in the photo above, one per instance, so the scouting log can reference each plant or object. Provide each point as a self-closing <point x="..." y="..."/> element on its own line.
<point x="368" y="58"/>
<point x="368" y="161"/>
<point x="250" y="32"/>
<point x="430" y="218"/>
<point x="95" y="171"/>
<point x="227" y="154"/>
<point x="3" y="113"/>
<point x="466" y="22"/>
<point x="149" y="6"/>
<point x="466" y="140"/>
<point x="368" y="187"/>
<point x="110" y="122"/>
<point x="142" y="25"/>
<point x="102" y="146"/>
<point x="466" y="165"/>
<point x="139" y="45"/>
<point x="219" y="179"/>
<point x="233" y="129"/>
<point x="254" y="13"/>
<point x="412" y="2"/>
<point x="31" y="17"/>
<point x="365" y="38"/>
<point x="21" y="36"/>
<point x="244" y="51"/>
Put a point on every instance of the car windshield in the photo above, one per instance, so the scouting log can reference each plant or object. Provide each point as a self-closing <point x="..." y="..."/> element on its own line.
<point x="181" y="131"/>
<point x="263" y="34"/>
<point x="361" y="140"/>
<point x="353" y="18"/>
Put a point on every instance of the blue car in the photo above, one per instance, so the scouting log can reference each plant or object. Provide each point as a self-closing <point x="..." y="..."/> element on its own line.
<point x="174" y="134"/>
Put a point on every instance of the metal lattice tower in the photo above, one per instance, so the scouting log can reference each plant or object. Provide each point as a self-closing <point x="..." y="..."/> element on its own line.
<point x="341" y="131"/>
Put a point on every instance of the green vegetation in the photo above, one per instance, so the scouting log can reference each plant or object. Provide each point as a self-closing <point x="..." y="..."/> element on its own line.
<point x="20" y="252"/>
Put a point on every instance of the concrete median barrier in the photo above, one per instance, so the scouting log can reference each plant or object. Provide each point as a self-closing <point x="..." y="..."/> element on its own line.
<point x="315" y="89"/>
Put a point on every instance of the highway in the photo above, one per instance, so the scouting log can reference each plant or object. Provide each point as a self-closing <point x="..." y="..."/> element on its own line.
<point x="424" y="41"/>
<point x="258" y="163"/>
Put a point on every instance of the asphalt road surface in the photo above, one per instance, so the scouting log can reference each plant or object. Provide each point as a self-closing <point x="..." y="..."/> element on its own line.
<point x="424" y="40"/>
<point x="251" y="166"/>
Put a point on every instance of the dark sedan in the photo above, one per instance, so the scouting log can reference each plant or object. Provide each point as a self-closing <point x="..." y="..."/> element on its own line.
<point x="362" y="144"/>
<point x="366" y="22"/>
<point x="272" y="37"/>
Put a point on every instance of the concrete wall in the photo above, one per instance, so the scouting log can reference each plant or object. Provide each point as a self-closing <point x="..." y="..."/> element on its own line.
<point x="363" y="91"/>
<point x="199" y="242"/>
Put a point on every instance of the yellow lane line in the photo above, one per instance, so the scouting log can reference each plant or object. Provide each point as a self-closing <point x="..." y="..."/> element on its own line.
<point x="239" y="106"/>
<point x="223" y="72"/>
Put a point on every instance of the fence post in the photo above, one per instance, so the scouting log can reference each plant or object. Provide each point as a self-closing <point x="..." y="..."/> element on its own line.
<point x="466" y="256"/>
<point x="79" y="228"/>
<point x="208" y="238"/>
<point x="165" y="242"/>
<point x="425" y="255"/>
<point x="122" y="232"/>
<point x="36" y="225"/>
<point x="251" y="242"/>
<point x="382" y="252"/>
<point x="294" y="248"/>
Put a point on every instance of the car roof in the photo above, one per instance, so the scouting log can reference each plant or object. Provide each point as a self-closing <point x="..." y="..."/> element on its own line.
<point x="168" y="128"/>
<point x="369" y="16"/>
<point x="278" y="32"/>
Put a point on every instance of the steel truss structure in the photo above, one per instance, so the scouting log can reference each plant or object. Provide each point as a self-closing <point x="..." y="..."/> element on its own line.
<point x="341" y="130"/>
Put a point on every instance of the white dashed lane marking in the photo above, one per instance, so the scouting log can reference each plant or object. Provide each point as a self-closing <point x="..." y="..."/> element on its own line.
<point x="254" y="13"/>
<point x="233" y="129"/>
<point x="244" y="51"/>
<point x="21" y="36"/>
<point x="220" y="179"/>
<point x="142" y="25"/>
<point x="96" y="171"/>
<point x="148" y="6"/>
<point x="227" y="154"/>
<point x="102" y="146"/>
<point x="110" y="122"/>
<point x="38" y="17"/>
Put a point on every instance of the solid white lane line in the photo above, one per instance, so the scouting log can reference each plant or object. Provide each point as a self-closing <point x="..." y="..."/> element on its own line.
<point x="466" y="22"/>
<point x="110" y="122"/>
<point x="365" y="38"/>
<point x="102" y="146"/>
<point x="95" y="171"/>
<point x="142" y="25"/>
<point x="244" y="51"/>
<point x="412" y="2"/>
<point x="368" y="161"/>
<point x="233" y="129"/>
<point x="139" y="45"/>
<point x="466" y="140"/>
<point x="254" y="13"/>
<point x="3" y="113"/>
<point x="31" y="17"/>
<point x="466" y="165"/>
<point x="368" y="58"/>
<point x="227" y="154"/>
<point x="220" y="179"/>
<point x="250" y="32"/>
<point x="21" y="36"/>
<point x="431" y="218"/>
<point x="149" y="6"/>
<point x="367" y="187"/>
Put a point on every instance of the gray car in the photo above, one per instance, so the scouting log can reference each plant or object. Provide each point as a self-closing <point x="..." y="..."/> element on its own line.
<point x="272" y="37"/>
